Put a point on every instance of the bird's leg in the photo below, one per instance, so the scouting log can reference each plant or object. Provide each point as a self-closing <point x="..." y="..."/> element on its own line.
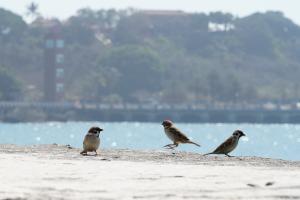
<point x="228" y="155"/>
<point x="169" y="146"/>
<point x="96" y="153"/>
<point x="175" y="144"/>
<point x="173" y="148"/>
<point x="84" y="153"/>
<point x="166" y="145"/>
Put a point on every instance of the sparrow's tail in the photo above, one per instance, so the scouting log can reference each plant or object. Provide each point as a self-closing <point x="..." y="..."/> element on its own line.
<point x="191" y="142"/>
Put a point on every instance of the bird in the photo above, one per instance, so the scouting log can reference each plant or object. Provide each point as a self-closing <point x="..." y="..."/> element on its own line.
<point x="229" y="145"/>
<point x="175" y="135"/>
<point x="91" y="141"/>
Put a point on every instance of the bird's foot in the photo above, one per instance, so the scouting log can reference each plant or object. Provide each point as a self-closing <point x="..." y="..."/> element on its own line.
<point x="172" y="147"/>
<point x="169" y="146"/>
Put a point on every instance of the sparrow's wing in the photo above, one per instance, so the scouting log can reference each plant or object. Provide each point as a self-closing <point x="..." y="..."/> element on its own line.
<point x="178" y="134"/>
<point x="88" y="136"/>
<point x="225" y="145"/>
<point x="91" y="142"/>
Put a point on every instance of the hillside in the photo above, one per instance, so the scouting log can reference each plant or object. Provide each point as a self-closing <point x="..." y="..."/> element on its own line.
<point x="158" y="57"/>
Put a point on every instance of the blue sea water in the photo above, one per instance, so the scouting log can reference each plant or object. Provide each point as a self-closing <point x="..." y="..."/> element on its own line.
<point x="267" y="140"/>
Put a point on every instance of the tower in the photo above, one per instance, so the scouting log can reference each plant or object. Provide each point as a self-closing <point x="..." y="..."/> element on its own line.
<point x="54" y="65"/>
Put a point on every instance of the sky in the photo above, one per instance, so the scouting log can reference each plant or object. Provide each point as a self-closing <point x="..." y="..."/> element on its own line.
<point x="65" y="8"/>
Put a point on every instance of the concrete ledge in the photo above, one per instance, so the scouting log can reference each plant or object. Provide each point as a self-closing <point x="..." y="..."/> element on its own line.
<point x="60" y="172"/>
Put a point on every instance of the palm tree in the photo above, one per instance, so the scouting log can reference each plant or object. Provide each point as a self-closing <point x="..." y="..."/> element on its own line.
<point x="32" y="10"/>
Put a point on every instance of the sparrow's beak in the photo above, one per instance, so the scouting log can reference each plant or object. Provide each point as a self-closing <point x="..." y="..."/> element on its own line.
<point x="243" y="134"/>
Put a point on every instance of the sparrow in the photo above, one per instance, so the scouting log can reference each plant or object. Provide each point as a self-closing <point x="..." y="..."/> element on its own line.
<point x="175" y="135"/>
<point x="229" y="145"/>
<point x="91" y="141"/>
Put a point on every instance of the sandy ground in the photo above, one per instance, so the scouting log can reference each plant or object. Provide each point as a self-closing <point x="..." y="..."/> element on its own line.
<point x="60" y="172"/>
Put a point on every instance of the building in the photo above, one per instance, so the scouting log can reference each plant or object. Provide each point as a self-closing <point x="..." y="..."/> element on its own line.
<point x="54" y="65"/>
<point x="162" y="12"/>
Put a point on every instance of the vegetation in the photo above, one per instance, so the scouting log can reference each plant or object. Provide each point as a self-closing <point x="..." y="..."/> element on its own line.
<point x="9" y="87"/>
<point x="139" y="56"/>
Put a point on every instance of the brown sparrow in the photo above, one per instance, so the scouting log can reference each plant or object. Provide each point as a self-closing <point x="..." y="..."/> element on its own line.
<point x="229" y="145"/>
<point x="91" y="141"/>
<point x="175" y="135"/>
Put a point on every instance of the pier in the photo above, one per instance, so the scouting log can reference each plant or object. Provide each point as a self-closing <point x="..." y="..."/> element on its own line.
<point x="201" y="113"/>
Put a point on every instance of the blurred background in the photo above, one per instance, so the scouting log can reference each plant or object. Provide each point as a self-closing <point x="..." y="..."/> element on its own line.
<point x="231" y="64"/>
<point x="192" y="57"/>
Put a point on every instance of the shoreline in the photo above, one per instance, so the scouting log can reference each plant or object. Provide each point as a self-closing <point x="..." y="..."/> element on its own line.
<point x="60" y="172"/>
<point x="33" y="111"/>
<point x="160" y="156"/>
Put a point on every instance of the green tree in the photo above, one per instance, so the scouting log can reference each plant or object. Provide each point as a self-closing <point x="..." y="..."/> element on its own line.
<point x="12" y="27"/>
<point x="139" y="69"/>
<point x="9" y="87"/>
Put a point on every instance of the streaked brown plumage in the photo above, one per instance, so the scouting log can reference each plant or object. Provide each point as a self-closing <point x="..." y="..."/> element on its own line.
<point x="91" y="141"/>
<point x="175" y="135"/>
<point x="229" y="145"/>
